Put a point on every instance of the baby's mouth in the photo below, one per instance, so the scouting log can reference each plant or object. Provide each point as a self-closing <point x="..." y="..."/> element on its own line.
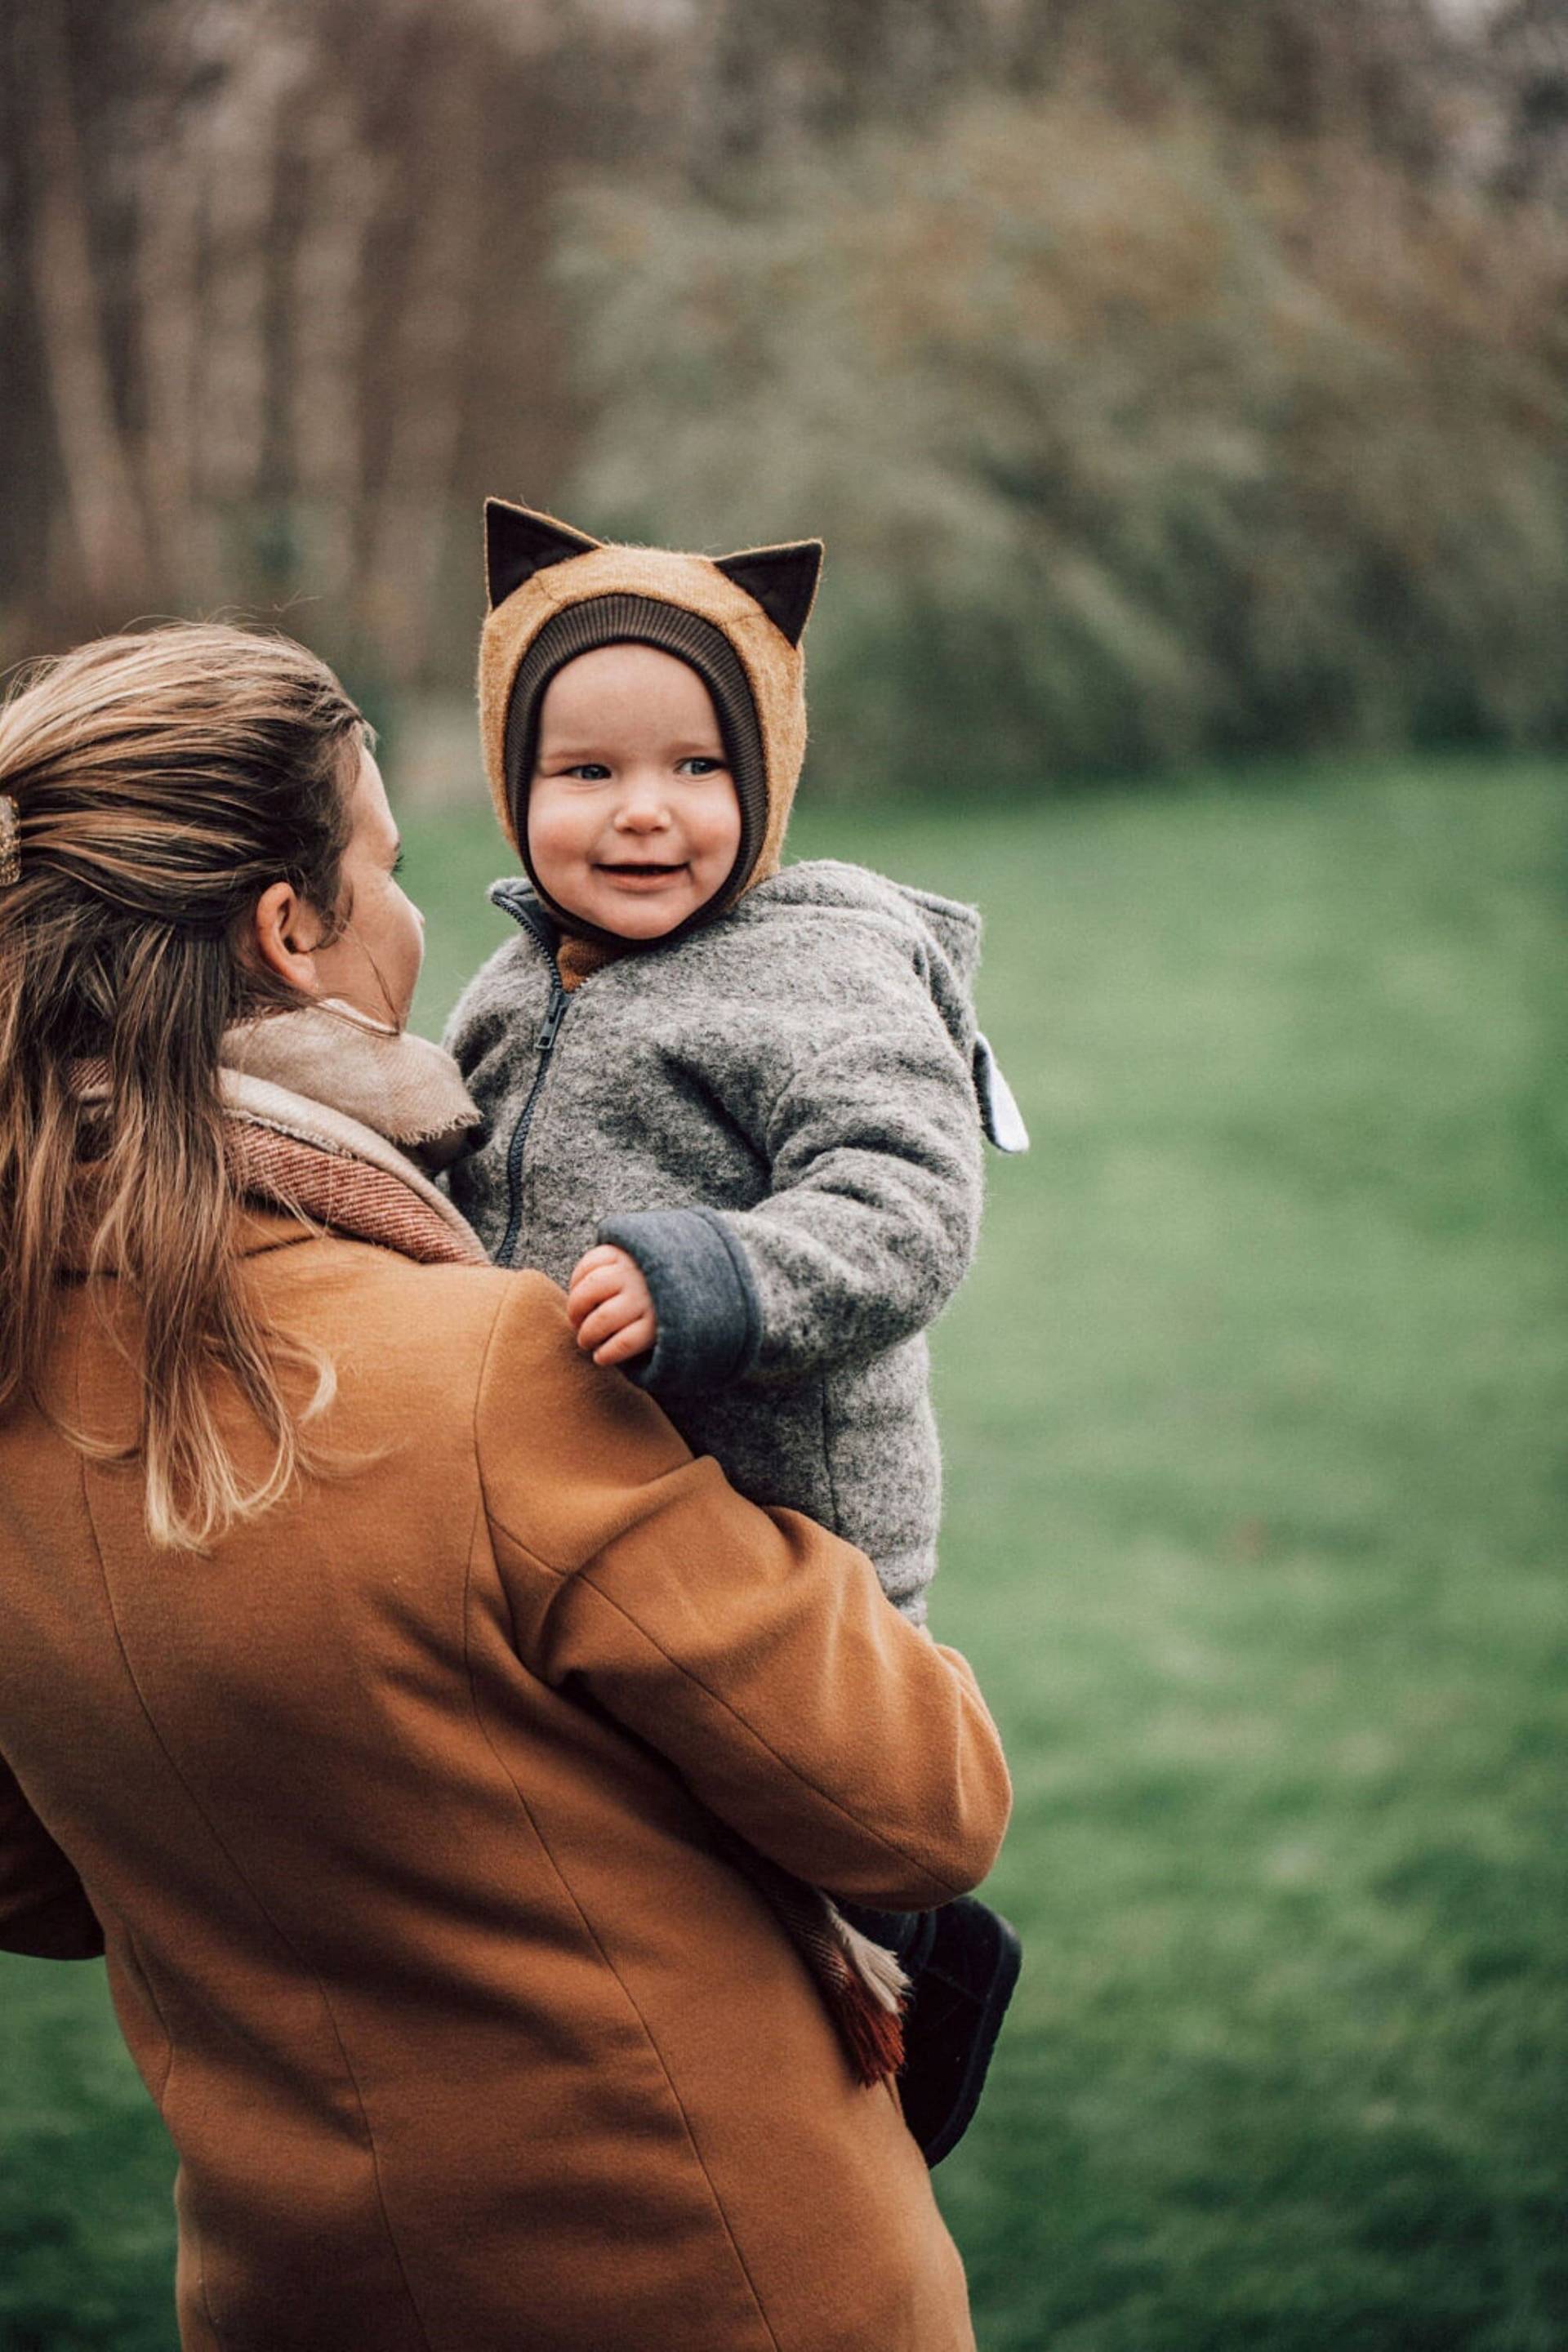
<point x="643" y="873"/>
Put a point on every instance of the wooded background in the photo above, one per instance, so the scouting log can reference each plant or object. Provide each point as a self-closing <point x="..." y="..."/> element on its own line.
<point x="1174" y="382"/>
<point x="1169" y="379"/>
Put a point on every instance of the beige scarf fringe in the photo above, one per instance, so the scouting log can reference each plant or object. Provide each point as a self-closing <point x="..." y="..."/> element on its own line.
<point x="863" y="1987"/>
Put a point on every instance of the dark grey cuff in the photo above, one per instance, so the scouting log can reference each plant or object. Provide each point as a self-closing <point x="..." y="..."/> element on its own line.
<point x="710" y="1317"/>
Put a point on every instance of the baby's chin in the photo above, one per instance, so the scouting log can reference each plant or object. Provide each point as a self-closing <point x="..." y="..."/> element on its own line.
<point x="648" y="927"/>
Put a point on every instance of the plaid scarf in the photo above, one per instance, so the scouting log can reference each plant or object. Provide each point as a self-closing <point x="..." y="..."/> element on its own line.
<point x="332" y="1187"/>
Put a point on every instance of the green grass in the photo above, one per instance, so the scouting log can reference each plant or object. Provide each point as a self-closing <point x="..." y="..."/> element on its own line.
<point x="1253" y="1413"/>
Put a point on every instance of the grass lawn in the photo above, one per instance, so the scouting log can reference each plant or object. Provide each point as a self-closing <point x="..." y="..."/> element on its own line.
<point x="1254" y="1413"/>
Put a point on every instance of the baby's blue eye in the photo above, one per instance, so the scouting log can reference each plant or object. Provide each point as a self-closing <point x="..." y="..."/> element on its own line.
<point x="698" y="764"/>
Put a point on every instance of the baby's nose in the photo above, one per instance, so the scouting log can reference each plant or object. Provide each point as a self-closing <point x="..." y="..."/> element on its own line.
<point x="644" y="809"/>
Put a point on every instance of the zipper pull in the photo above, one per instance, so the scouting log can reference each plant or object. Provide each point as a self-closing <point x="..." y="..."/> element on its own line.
<point x="555" y="1012"/>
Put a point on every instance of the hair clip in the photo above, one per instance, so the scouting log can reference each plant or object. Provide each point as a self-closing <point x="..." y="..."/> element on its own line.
<point x="10" y="841"/>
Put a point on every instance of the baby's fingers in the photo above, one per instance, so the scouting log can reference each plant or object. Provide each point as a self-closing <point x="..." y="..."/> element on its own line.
<point x="589" y="1288"/>
<point x="602" y="1254"/>
<point x="611" y="1315"/>
<point x="635" y="1338"/>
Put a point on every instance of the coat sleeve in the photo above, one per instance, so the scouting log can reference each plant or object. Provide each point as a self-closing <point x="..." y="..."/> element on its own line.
<point x="44" y="1910"/>
<point x="874" y="1151"/>
<point x="752" y="1650"/>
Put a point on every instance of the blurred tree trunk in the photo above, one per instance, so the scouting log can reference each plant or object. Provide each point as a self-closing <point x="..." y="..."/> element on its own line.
<point x="428" y="375"/>
<point x="169" y="318"/>
<point x="242" y="128"/>
<point x="326" y="345"/>
<point x="100" y="488"/>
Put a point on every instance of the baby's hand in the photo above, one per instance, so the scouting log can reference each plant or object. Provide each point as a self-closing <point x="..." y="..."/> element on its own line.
<point x="611" y="1306"/>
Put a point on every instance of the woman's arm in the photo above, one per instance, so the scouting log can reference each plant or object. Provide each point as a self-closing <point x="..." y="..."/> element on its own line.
<point x="751" y="1649"/>
<point x="43" y="1908"/>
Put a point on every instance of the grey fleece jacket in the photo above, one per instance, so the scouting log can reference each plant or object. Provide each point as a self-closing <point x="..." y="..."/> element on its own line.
<point x="780" y="1118"/>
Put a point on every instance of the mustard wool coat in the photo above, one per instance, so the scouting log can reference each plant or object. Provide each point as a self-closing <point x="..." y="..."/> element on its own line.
<point x="394" y="1817"/>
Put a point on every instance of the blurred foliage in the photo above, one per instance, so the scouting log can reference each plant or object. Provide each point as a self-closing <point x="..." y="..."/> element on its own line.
<point x="1131" y="441"/>
<point x="1169" y="377"/>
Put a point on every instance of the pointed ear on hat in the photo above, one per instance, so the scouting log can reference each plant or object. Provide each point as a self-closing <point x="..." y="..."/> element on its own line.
<point x="519" y="542"/>
<point x="782" y="579"/>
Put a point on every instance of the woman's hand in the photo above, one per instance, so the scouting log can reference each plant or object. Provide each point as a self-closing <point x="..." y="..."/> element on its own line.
<point x="611" y="1307"/>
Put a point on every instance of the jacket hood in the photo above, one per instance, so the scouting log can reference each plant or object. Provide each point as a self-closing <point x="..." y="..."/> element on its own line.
<point x="939" y="936"/>
<point x="759" y="599"/>
<point x="941" y="939"/>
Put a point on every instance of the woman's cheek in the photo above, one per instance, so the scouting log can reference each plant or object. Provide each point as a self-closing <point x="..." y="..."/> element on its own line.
<point x="417" y="943"/>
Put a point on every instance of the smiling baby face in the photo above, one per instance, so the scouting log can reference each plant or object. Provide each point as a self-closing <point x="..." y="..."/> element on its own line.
<point x="634" y="821"/>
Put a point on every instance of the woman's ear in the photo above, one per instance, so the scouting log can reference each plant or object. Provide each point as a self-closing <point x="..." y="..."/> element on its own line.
<point x="285" y="930"/>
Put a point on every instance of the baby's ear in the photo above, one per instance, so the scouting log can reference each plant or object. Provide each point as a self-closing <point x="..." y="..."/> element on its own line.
<point x="782" y="579"/>
<point x="519" y="542"/>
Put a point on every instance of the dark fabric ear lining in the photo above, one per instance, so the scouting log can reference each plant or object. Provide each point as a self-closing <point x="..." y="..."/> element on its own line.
<point x="519" y="542"/>
<point x="782" y="579"/>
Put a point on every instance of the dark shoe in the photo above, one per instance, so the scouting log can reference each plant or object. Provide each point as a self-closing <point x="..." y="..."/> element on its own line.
<point x="963" y="1962"/>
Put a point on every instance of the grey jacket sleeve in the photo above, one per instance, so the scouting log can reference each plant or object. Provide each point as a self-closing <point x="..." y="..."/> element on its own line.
<point x="875" y="1148"/>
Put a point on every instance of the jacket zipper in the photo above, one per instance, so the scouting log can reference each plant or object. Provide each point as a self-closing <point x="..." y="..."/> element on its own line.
<point x="554" y="1013"/>
<point x="528" y="918"/>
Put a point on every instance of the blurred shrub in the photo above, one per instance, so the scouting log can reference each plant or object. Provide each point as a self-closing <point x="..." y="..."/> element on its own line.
<point x="1132" y="440"/>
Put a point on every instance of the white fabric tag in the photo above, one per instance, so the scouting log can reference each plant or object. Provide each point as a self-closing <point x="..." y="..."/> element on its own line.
<point x="999" y="1112"/>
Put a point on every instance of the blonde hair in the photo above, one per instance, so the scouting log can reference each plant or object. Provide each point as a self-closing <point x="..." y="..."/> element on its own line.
<point x="162" y="781"/>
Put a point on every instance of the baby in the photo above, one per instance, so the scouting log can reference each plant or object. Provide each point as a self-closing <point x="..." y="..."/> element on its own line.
<point x="736" y="1109"/>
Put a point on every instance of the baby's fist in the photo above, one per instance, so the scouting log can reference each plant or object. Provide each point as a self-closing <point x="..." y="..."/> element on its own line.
<point x="611" y="1306"/>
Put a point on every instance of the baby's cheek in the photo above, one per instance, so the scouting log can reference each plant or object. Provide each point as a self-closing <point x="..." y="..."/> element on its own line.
<point x="555" y="848"/>
<point x="724" y="826"/>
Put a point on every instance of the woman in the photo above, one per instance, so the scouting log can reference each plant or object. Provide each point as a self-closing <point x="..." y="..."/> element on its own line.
<point x="380" y="1682"/>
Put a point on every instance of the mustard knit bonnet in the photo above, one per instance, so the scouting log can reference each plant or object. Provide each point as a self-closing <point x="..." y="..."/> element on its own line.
<point x="736" y="620"/>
